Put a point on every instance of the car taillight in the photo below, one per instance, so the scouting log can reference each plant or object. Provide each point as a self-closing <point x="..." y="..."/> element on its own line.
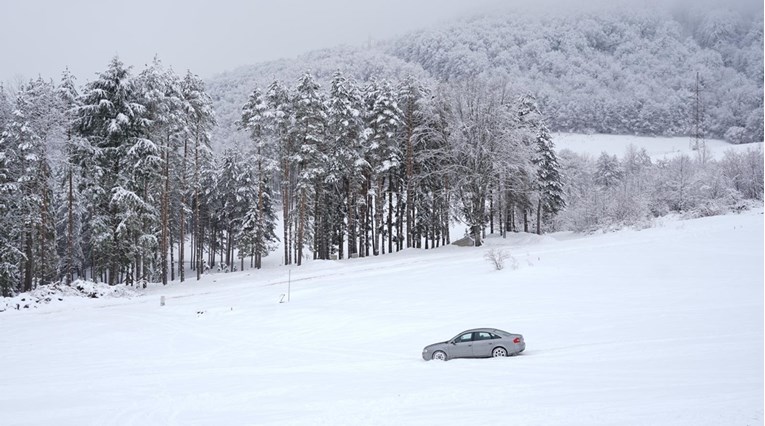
<point x="517" y="340"/>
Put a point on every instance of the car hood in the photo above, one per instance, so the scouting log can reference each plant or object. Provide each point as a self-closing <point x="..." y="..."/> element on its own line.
<point x="436" y="345"/>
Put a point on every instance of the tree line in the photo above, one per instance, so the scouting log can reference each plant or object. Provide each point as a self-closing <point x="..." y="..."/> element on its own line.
<point x="116" y="181"/>
<point x="608" y="192"/>
<point x="621" y="71"/>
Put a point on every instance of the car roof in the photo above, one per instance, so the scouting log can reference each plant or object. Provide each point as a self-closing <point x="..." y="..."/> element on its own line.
<point x="490" y="330"/>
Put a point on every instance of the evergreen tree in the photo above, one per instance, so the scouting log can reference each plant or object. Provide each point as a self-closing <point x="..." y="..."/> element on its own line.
<point x="121" y="161"/>
<point x="411" y="94"/>
<point x="11" y="254"/>
<point x="257" y="237"/>
<point x="199" y="121"/>
<point x="260" y="217"/>
<point x="161" y="94"/>
<point x="70" y="206"/>
<point x="548" y="177"/>
<point x="280" y="121"/>
<point x="346" y="129"/>
<point x="383" y="154"/>
<point x="310" y="135"/>
<point x="31" y="130"/>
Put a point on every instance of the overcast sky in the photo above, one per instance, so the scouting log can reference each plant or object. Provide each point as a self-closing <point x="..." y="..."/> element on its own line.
<point x="42" y="37"/>
<point x="206" y="36"/>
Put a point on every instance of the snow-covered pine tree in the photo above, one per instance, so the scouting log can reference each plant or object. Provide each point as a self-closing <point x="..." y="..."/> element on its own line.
<point x="548" y="177"/>
<point x="113" y="124"/>
<point x="256" y="236"/>
<point x="383" y="118"/>
<point x="310" y="134"/>
<point x="410" y="96"/>
<point x="280" y="119"/>
<point x="161" y="94"/>
<point x="260" y="219"/>
<point x="5" y="108"/>
<point x="199" y="119"/>
<point x="33" y="128"/>
<point x="548" y="183"/>
<point x="70" y="207"/>
<point x="235" y="190"/>
<point x="11" y="255"/>
<point x="345" y="128"/>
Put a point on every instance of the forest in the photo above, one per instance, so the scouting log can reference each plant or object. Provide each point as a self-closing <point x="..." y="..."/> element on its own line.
<point x="148" y="176"/>
<point x="620" y="71"/>
<point x="118" y="182"/>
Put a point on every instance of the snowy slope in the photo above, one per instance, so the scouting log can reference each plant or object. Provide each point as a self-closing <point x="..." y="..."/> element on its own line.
<point x="657" y="147"/>
<point x="660" y="326"/>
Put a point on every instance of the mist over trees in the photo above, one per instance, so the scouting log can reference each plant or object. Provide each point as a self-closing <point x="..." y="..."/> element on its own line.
<point x="619" y="72"/>
<point x="616" y="72"/>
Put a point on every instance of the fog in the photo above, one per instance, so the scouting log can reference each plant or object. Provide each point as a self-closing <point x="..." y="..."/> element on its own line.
<point x="40" y="37"/>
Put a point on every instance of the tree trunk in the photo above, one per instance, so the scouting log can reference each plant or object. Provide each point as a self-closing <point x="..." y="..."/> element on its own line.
<point x="182" y="237"/>
<point x="259" y="236"/>
<point x="70" y="229"/>
<point x="164" y="216"/>
<point x="352" y="244"/>
<point x="491" y="212"/>
<point x="378" y="216"/>
<point x="390" y="213"/>
<point x="172" y="257"/>
<point x="363" y="217"/>
<point x="301" y="226"/>
<point x="28" y="262"/>
<point x="286" y="211"/>
<point x="197" y="221"/>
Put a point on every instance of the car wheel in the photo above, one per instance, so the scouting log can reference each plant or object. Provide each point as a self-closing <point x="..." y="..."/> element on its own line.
<point x="439" y="356"/>
<point x="499" y="352"/>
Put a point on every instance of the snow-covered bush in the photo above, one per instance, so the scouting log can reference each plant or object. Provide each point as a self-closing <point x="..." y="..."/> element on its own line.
<point x="498" y="257"/>
<point x="646" y="190"/>
<point x="57" y="292"/>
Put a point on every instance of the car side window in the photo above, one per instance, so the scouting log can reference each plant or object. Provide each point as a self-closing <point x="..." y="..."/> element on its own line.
<point x="483" y="336"/>
<point x="467" y="337"/>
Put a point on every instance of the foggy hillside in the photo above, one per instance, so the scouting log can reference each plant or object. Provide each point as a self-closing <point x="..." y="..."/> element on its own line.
<point x="610" y="72"/>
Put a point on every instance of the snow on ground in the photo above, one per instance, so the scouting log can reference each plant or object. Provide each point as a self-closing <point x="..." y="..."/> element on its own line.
<point x="662" y="326"/>
<point x="657" y="147"/>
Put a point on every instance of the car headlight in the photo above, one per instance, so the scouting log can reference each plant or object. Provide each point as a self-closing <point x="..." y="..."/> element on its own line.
<point x="424" y="350"/>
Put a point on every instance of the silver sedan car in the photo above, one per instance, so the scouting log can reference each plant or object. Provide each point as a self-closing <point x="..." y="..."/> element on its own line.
<point x="476" y="343"/>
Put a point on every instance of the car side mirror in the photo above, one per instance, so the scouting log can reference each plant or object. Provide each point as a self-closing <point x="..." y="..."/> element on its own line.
<point x="452" y="342"/>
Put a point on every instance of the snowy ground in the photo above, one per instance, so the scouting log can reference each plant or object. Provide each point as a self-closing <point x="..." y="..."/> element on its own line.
<point x="657" y="147"/>
<point x="659" y="326"/>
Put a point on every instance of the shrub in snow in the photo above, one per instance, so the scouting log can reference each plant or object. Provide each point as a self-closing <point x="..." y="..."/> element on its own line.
<point x="498" y="258"/>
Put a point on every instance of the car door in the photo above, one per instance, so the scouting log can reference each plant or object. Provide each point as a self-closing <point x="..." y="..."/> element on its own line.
<point x="462" y="346"/>
<point x="483" y="343"/>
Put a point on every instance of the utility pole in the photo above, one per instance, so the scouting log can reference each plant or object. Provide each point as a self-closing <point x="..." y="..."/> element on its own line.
<point x="697" y="142"/>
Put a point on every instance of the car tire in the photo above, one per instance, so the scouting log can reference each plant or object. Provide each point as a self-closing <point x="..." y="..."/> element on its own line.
<point x="439" y="356"/>
<point x="499" y="352"/>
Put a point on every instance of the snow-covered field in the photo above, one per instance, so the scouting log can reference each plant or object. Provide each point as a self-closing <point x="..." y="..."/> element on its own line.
<point x="657" y="147"/>
<point x="659" y="326"/>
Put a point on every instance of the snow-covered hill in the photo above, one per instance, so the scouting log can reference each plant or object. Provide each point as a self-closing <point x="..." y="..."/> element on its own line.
<point x="657" y="147"/>
<point x="659" y="326"/>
